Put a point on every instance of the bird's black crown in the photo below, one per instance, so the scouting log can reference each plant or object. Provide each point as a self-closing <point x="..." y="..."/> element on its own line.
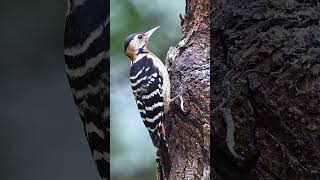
<point x="127" y="41"/>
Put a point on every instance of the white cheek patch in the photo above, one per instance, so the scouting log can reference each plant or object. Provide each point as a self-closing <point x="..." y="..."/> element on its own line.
<point x="136" y="44"/>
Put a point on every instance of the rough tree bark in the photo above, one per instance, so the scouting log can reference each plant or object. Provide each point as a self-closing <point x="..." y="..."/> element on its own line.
<point x="188" y="64"/>
<point x="265" y="69"/>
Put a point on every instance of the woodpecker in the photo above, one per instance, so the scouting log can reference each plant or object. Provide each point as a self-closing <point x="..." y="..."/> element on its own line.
<point x="150" y="83"/>
<point x="86" y="51"/>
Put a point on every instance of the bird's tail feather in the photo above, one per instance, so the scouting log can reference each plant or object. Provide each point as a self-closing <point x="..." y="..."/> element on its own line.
<point x="165" y="156"/>
<point x="164" y="160"/>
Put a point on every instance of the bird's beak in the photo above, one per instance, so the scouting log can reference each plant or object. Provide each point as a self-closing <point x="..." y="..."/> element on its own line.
<point x="150" y="32"/>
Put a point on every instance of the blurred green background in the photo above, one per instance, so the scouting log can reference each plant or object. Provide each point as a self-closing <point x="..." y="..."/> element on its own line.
<point x="132" y="152"/>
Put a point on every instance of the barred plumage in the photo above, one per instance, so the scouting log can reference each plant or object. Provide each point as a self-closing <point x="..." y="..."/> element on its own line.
<point x="147" y="85"/>
<point x="87" y="66"/>
<point x="151" y="87"/>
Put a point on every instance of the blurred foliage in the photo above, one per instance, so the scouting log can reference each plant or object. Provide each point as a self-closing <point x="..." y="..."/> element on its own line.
<point x="132" y="153"/>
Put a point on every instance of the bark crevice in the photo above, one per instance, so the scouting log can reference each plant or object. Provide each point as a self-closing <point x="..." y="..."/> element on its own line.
<point x="188" y="66"/>
<point x="271" y="49"/>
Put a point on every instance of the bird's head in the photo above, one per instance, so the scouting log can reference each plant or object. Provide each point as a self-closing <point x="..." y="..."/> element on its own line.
<point x="136" y="43"/>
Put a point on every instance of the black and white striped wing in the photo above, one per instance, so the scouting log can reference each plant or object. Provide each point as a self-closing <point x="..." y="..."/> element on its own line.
<point x="87" y="66"/>
<point x="146" y="83"/>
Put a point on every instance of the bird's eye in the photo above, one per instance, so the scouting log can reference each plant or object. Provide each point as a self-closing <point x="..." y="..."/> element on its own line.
<point x="140" y="37"/>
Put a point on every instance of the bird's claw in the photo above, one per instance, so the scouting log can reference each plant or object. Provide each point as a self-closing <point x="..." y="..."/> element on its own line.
<point x="181" y="101"/>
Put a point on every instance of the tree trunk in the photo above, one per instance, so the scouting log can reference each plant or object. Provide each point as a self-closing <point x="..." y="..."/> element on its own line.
<point x="188" y="65"/>
<point x="266" y="88"/>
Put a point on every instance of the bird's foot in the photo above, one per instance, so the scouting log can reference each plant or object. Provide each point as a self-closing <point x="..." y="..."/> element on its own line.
<point x="181" y="100"/>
